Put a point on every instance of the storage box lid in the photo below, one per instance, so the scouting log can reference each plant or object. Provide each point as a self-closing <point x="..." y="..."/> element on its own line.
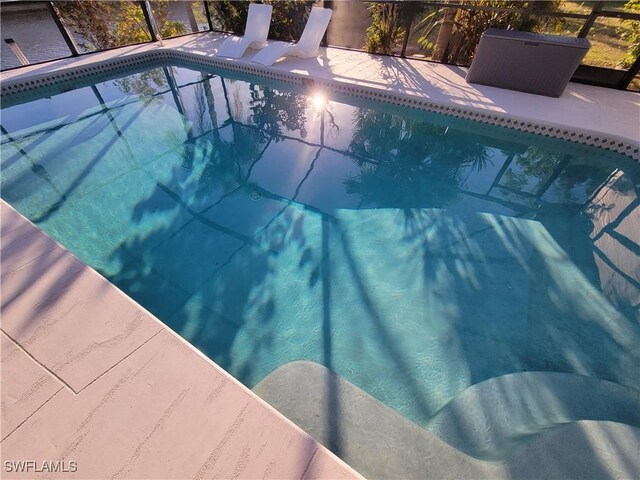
<point x="573" y="42"/>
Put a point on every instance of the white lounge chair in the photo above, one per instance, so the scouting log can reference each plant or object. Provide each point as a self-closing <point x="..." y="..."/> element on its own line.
<point x="255" y="33"/>
<point x="309" y="42"/>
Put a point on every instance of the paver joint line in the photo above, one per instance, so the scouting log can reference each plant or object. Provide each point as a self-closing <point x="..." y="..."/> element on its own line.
<point x="48" y="370"/>
<point x="120" y="361"/>
<point x="32" y="414"/>
<point x="306" y="469"/>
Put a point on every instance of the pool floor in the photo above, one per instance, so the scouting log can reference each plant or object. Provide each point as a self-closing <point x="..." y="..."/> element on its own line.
<point x="414" y="255"/>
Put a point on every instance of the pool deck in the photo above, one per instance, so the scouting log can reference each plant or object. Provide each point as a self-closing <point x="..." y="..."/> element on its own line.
<point x="88" y="376"/>
<point x="581" y="108"/>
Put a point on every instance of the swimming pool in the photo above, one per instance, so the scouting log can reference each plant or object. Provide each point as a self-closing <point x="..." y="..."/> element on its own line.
<point x="415" y="255"/>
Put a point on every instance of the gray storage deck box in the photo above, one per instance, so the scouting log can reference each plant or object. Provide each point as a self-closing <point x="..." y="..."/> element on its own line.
<point x="528" y="62"/>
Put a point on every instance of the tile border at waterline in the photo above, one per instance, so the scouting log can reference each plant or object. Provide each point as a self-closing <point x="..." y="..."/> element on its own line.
<point x="29" y="84"/>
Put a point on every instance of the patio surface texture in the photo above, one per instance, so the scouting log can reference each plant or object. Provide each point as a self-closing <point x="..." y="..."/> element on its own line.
<point x="88" y="376"/>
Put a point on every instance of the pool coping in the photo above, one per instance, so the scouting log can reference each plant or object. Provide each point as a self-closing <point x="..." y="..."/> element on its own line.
<point x="85" y="67"/>
<point x="608" y="110"/>
<point x="52" y="377"/>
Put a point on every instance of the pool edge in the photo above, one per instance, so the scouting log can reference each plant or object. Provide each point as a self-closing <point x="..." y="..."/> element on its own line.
<point x="321" y="463"/>
<point x="71" y="70"/>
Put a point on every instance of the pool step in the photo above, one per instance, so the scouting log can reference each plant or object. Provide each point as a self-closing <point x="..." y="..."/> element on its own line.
<point x="493" y="419"/>
<point x="380" y="443"/>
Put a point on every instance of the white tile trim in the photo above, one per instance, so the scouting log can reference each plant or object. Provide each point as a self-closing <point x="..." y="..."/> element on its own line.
<point x="26" y="84"/>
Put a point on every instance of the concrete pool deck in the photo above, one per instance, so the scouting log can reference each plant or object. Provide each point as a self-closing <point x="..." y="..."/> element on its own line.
<point x="86" y="371"/>
<point x="90" y="377"/>
<point x="91" y="381"/>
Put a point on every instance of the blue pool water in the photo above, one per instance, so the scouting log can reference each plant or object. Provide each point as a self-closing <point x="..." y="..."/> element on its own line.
<point x="413" y="254"/>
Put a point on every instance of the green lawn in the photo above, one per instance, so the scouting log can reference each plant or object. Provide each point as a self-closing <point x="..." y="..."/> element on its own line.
<point x="607" y="36"/>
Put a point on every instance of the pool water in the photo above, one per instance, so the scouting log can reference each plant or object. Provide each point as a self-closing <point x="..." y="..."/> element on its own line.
<point x="413" y="254"/>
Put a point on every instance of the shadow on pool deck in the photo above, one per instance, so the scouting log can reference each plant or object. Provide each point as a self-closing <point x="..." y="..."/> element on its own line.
<point x="413" y="302"/>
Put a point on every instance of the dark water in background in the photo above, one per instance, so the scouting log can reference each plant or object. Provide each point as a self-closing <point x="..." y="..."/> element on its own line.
<point x="34" y="31"/>
<point x="37" y="35"/>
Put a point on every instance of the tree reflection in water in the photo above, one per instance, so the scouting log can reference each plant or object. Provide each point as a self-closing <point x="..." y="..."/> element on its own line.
<point x="409" y="160"/>
<point x="266" y="227"/>
<point x="273" y="110"/>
